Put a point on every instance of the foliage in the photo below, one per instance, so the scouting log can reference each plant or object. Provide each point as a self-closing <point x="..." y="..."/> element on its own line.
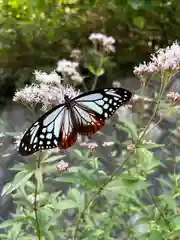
<point x="35" y="34"/>
<point x="91" y="202"/>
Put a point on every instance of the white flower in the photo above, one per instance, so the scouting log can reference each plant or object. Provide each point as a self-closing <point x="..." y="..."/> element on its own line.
<point x="166" y="59"/>
<point x="46" y="93"/>
<point x="52" y="78"/>
<point x="68" y="69"/>
<point x="107" y="144"/>
<point x="63" y="166"/>
<point x="173" y="96"/>
<point x="104" y="41"/>
<point x="89" y="145"/>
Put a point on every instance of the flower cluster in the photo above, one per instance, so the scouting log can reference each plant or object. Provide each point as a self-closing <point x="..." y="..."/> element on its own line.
<point x="48" y="92"/>
<point x="107" y="43"/>
<point x="93" y="145"/>
<point x="173" y="97"/>
<point x="166" y="59"/>
<point x="63" y="166"/>
<point x="68" y="70"/>
<point x="1" y="138"/>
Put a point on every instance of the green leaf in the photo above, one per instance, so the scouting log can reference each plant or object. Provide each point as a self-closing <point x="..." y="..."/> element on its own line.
<point x="170" y="201"/>
<point x="18" y="180"/>
<point x="99" y="72"/>
<point x="12" y="221"/>
<point x="92" y="69"/>
<point x="129" y="127"/>
<point x="176" y="223"/>
<point x="139" y="22"/>
<point x="66" y="204"/>
<point x="53" y="158"/>
<point x="150" y="145"/>
<point x="78" y="197"/>
<point x="155" y="235"/>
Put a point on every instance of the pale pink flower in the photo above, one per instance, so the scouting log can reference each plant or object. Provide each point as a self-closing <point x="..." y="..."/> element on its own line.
<point x="1" y="138"/>
<point x="107" y="144"/>
<point x="63" y="166"/>
<point x="178" y="129"/>
<point x="106" y="42"/>
<point x="116" y="84"/>
<point x="173" y="96"/>
<point x="47" y="93"/>
<point x="89" y="145"/>
<point x="166" y="59"/>
<point x="17" y="140"/>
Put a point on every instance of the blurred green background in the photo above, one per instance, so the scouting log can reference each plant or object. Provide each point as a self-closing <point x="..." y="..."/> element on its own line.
<point x="36" y="34"/>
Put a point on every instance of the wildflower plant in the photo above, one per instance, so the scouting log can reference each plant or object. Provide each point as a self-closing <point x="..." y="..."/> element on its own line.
<point x="107" y="188"/>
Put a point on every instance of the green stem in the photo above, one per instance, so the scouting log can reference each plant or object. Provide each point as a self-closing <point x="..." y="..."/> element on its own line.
<point x="38" y="230"/>
<point x="81" y="215"/>
<point x="162" y="88"/>
<point x="96" y="76"/>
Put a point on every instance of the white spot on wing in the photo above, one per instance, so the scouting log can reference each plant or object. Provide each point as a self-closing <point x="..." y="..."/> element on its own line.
<point x="106" y="106"/>
<point x="49" y="135"/>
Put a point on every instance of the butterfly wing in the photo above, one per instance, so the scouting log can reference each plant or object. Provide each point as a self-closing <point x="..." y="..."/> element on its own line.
<point x="53" y="129"/>
<point x="93" y="108"/>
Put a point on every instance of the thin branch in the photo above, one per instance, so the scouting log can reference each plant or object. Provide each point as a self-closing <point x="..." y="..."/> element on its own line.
<point x="81" y="215"/>
<point x="38" y="230"/>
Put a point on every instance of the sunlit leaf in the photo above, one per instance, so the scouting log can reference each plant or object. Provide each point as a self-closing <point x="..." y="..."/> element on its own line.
<point x="155" y="235"/>
<point x="18" y="180"/>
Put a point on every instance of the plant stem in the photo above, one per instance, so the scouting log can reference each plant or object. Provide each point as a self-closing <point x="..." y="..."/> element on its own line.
<point x="81" y="215"/>
<point x="96" y="76"/>
<point x="38" y="230"/>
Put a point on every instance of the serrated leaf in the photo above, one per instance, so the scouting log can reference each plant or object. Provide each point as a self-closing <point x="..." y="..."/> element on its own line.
<point x="19" y="179"/>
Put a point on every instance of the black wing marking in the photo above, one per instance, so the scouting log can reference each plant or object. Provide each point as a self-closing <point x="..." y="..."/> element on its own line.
<point x="103" y="103"/>
<point x="44" y="133"/>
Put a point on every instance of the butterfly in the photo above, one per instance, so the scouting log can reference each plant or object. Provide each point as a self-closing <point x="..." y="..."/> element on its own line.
<point x="84" y="114"/>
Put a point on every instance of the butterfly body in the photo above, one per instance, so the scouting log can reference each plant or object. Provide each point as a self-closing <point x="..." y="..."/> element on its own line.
<point x="84" y="115"/>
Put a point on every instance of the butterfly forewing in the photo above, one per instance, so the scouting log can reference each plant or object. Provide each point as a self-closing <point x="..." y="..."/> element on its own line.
<point x="105" y="102"/>
<point x="44" y="133"/>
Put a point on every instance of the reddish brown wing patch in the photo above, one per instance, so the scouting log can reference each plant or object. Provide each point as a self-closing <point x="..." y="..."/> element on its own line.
<point x="92" y="127"/>
<point x="68" y="132"/>
<point x="67" y="140"/>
